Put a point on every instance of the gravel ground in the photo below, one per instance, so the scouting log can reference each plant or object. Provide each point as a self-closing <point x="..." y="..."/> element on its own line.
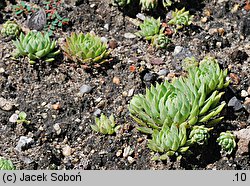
<point x="61" y="99"/>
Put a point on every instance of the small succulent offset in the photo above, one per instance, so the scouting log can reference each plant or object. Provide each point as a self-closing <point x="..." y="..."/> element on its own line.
<point x="199" y="134"/>
<point x="149" y="28"/>
<point x="181" y="18"/>
<point x="160" y="41"/>
<point x="22" y="118"/>
<point x="121" y="3"/>
<point x="169" y="140"/>
<point x="186" y="101"/>
<point x="105" y="125"/>
<point x="36" y="45"/>
<point x="10" y="28"/>
<point x="227" y="142"/>
<point x="6" y="164"/>
<point x="86" y="48"/>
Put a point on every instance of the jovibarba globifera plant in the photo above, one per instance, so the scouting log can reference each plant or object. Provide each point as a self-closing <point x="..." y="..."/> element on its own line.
<point x="227" y="142"/>
<point x="36" y="46"/>
<point x="181" y="18"/>
<point x="151" y="30"/>
<point x="87" y="48"/>
<point x="186" y="101"/>
<point x="10" y="28"/>
<point x="6" y="164"/>
<point x="105" y="125"/>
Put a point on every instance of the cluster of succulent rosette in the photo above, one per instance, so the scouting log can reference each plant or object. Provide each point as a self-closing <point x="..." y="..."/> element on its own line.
<point x="151" y="30"/>
<point x="181" y="113"/>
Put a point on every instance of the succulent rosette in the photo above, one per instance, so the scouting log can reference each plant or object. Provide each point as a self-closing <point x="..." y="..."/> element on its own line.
<point x="105" y="125"/>
<point x="36" y="45"/>
<point x="10" y="28"/>
<point x="181" y="18"/>
<point x="86" y="48"/>
<point x="227" y="142"/>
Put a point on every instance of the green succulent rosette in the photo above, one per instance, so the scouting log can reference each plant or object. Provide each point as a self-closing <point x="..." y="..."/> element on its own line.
<point x="10" y="28"/>
<point x="105" y="125"/>
<point x="169" y="141"/>
<point x="149" y="28"/>
<point x="199" y="135"/>
<point x="160" y="41"/>
<point x="86" y="49"/>
<point x="227" y="142"/>
<point x="36" y="46"/>
<point x="6" y="164"/>
<point x="181" y="18"/>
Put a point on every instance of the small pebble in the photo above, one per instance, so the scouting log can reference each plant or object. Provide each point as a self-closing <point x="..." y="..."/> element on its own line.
<point x="126" y="151"/>
<point x="56" y="106"/>
<point x="131" y="92"/>
<point x="163" y="72"/>
<point x="66" y="151"/>
<point x="85" y="89"/>
<point x="43" y="104"/>
<point x="57" y="128"/>
<point x="23" y="141"/>
<point x="106" y="26"/>
<point x="104" y="39"/>
<point x="177" y="50"/>
<point x="244" y="93"/>
<point x="129" y="35"/>
<point x="116" y="80"/>
<point x="235" y="103"/>
<point x="6" y="104"/>
<point x="131" y="160"/>
<point x="119" y="153"/>
<point x="140" y="16"/>
<point x="13" y="118"/>
<point x="97" y="112"/>
<point x="2" y="70"/>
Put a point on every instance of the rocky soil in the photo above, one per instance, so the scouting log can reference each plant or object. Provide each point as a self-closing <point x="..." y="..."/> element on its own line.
<point x="62" y="99"/>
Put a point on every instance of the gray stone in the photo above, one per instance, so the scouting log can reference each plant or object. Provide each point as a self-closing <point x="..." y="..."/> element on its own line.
<point x="67" y="151"/>
<point x="235" y="103"/>
<point x="126" y="151"/>
<point x="97" y="112"/>
<point x="131" y="160"/>
<point x="6" y="104"/>
<point x="104" y="39"/>
<point x="85" y="89"/>
<point x="243" y="93"/>
<point x="129" y="35"/>
<point x="23" y="141"/>
<point x="163" y="72"/>
<point x="106" y="26"/>
<point x="57" y="128"/>
<point x="131" y="92"/>
<point x="140" y="16"/>
<point x="13" y="118"/>
<point x="177" y="50"/>
<point x="2" y="70"/>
